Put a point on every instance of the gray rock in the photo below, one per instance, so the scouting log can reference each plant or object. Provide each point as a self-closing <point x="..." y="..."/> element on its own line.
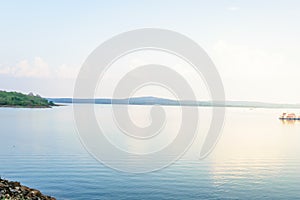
<point x="14" y="190"/>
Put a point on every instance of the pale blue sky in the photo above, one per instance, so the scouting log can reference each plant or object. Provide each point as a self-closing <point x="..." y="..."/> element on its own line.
<point x="254" y="44"/>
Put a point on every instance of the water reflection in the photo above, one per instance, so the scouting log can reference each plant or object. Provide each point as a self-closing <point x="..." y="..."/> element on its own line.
<point x="290" y="122"/>
<point x="255" y="149"/>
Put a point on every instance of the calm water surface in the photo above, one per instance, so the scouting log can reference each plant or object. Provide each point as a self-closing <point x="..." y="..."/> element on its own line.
<point x="257" y="157"/>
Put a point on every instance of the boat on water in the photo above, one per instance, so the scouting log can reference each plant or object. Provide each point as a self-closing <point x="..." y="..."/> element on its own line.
<point x="289" y="116"/>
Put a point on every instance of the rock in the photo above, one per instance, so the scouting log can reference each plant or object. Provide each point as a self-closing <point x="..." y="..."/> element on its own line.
<point x="24" y="188"/>
<point x="14" y="191"/>
<point x="2" y="185"/>
<point x="14" y="184"/>
<point x="34" y="193"/>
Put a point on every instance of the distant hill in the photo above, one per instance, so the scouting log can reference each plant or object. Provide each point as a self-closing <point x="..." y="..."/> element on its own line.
<point x="16" y="99"/>
<point x="169" y="102"/>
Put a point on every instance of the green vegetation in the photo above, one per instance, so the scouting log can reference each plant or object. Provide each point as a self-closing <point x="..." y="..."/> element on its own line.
<point x="16" y="99"/>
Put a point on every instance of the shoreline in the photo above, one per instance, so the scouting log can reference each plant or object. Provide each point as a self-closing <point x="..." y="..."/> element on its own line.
<point x="18" y="106"/>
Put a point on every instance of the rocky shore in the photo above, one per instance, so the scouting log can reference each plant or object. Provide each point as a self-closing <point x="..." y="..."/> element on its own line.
<point x="10" y="190"/>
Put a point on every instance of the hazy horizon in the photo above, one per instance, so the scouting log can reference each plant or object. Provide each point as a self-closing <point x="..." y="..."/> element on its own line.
<point x="254" y="45"/>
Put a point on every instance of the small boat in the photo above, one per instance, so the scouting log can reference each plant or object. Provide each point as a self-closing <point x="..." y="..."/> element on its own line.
<point x="290" y="116"/>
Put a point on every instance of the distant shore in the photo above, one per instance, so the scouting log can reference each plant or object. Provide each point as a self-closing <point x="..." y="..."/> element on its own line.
<point x="170" y="102"/>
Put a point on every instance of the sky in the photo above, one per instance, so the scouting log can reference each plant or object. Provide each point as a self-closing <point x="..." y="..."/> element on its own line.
<point x="255" y="44"/>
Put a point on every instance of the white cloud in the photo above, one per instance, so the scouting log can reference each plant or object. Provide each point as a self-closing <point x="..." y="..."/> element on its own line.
<point x="257" y="72"/>
<point x="247" y="61"/>
<point x="66" y="72"/>
<point x="233" y="8"/>
<point x="4" y="70"/>
<point x="38" y="68"/>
